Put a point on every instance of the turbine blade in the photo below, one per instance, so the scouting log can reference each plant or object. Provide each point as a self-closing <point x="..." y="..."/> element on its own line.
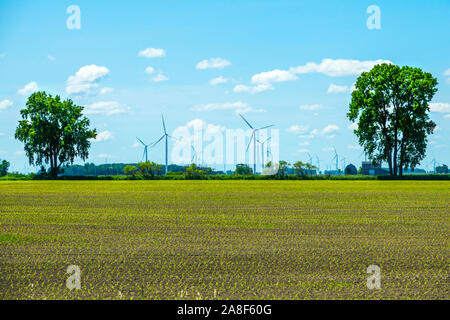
<point x="266" y="127"/>
<point x="164" y="124"/>
<point x="248" y="146"/>
<point x="155" y="143"/>
<point x="173" y="137"/>
<point x="246" y="121"/>
<point x="141" y="141"/>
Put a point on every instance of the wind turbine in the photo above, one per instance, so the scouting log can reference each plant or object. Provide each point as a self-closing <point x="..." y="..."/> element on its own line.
<point x="262" y="151"/>
<point x="318" y="163"/>
<point x="253" y="137"/>
<point x="343" y="160"/>
<point x="336" y="157"/>
<point x="194" y="155"/>
<point x="165" y="135"/>
<point x="434" y="164"/>
<point x="310" y="159"/>
<point x="145" y="154"/>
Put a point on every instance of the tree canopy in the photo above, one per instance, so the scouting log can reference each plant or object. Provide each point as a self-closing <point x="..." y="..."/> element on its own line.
<point x="4" y="166"/>
<point x="243" y="169"/>
<point x="54" y="132"/>
<point x="391" y="106"/>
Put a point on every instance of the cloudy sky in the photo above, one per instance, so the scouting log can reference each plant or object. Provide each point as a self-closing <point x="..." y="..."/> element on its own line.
<point x="288" y="63"/>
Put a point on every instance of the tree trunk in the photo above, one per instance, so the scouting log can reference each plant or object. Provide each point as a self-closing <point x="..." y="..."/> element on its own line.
<point x="401" y="160"/>
<point x="54" y="165"/>
<point x="389" y="160"/>
<point x="395" y="151"/>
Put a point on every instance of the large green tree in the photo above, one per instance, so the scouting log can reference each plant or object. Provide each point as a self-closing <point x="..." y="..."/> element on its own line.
<point x="54" y="132"/>
<point x="391" y="106"/>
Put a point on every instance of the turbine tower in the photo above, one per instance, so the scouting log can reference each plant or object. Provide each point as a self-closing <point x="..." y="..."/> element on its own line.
<point x="145" y="154"/>
<point x="253" y="137"/>
<point x="166" y="136"/>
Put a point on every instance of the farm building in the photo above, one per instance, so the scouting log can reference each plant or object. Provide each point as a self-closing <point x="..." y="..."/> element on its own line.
<point x="369" y="169"/>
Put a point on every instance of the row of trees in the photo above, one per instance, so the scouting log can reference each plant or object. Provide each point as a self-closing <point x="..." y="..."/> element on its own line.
<point x="144" y="168"/>
<point x="151" y="169"/>
<point x="299" y="167"/>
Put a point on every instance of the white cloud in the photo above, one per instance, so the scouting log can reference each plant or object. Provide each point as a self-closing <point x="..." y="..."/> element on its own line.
<point x="209" y="128"/>
<point x="253" y="89"/>
<point x="28" y="89"/>
<point x="51" y="58"/>
<point x="298" y="128"/>
<point x="159" y="78"/>
<point x="238" y="107"/>
<point x="325" y="132"/>
<point x="303" y="151"/>
<point x="337" y="67"/>
<point x="273" y="76"/>
<point x="447" y="116"/>
<point x="353" y="126"/>
<point x="303" y="144"/>
<point x="103" y="136"/>
<point x="327" y="149"/>
<point x="329" y="67"/>
<point x="310" y="107"/>
<point x="136" y="145"/>
<point x="20" y="152"/>
<point x="354" y="147"/>
<point x="330" y="128"/>
<point x="2" y="55"/>
<point x="186" y="133"/>
<point x="447" y="74"/>
<point x="213" y="63"/>
<point x="149" y="70"/>
<point x="152" y="53"/>
<point x="440" y="107"/>
<point x="333" y="88"/>
<point x="5" y="104"/>
<point x="106" y="90"/>
<point x="106" y="107"/>
<point x="106" y="156"/>
<point x="85" y="79"/>
<point x="218" y="80"/>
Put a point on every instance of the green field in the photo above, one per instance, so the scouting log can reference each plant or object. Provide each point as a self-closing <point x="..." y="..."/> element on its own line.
<point x="224" y="239"/>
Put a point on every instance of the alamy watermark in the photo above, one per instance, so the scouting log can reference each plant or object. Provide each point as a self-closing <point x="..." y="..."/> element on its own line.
<point x="374" y="280"/>
<point x="374" y="20"/>
<point x="74" y="281"/>
<point x="73" y="22"/>
<point x="213" y="145"/>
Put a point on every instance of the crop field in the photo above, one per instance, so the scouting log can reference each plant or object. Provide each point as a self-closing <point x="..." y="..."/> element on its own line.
<point x="224" y="239"/>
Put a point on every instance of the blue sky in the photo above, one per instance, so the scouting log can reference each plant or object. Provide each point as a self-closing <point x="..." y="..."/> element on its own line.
<point x="288" y="63"/>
